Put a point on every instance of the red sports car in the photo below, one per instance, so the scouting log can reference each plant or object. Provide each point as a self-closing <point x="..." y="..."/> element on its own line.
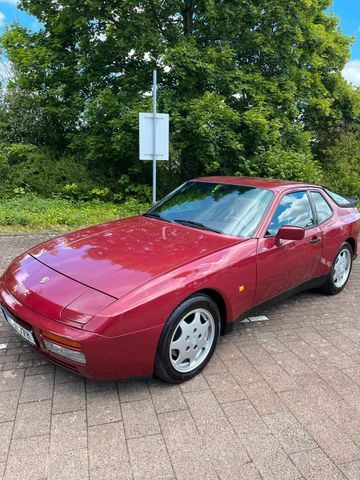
<point x="151" y="294"/>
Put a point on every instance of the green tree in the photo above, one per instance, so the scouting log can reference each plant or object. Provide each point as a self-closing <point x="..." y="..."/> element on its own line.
<point x="343" y="166"/>
<point x="252" y="87"/>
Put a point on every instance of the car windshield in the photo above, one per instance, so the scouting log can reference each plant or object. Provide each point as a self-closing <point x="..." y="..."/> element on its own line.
<point x="220" y="207"/>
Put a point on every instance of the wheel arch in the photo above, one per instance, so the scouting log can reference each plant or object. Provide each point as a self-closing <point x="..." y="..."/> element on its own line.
<point x="351" y="241"/>
<point x="220" y="302"/>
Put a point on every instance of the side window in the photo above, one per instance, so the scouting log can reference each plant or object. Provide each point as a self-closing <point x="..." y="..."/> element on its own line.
<point x="294" y="209"/>
<point x="323" y="209"/>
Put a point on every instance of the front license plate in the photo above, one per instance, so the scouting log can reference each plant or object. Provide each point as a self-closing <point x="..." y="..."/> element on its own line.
<point x="19" y="329"/>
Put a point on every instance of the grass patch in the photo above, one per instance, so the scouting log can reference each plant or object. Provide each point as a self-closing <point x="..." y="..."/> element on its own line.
<point x="29" y="213"/>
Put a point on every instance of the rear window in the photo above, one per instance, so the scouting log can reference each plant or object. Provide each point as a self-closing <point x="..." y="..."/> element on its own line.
<point x="342" y="201"/>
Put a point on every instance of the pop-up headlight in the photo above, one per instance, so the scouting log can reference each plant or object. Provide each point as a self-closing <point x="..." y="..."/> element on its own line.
<point x="85" y="307"/>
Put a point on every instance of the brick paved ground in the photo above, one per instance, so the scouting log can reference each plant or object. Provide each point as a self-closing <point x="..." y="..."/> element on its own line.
<point x="279" y="401"/>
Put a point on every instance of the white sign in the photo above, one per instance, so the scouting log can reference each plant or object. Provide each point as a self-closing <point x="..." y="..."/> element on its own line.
<point x="146" y="139"/>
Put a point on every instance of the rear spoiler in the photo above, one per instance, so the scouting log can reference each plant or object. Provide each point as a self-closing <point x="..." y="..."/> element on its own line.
<point x="352" y="202"/>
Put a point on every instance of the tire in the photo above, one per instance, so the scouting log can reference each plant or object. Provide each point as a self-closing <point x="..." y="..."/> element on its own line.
<point x="339" y="274"/>
<point x="194" y="327"/>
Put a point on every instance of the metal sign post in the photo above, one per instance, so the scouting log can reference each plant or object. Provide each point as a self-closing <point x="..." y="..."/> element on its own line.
<point x="154" y="135"/>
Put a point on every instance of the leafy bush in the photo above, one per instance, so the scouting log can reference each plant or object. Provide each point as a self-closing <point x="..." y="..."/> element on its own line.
<point x="342" y="171"/>
<point x="287" y="166"/>
<point x="126" y="189"/>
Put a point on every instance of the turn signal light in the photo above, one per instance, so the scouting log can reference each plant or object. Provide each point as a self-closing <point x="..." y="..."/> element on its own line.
<point x="62" y="340"/>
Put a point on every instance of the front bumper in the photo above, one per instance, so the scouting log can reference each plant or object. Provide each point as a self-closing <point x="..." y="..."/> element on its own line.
<point x="107" y="358"/>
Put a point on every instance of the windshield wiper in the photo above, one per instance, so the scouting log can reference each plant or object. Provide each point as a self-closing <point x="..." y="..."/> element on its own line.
<point x="191" y="223"/>
<point x="157" y="216"/>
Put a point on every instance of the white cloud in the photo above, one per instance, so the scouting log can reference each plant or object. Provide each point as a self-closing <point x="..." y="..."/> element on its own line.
<point x="2" y="19"/>
<point x="352" y="72"/>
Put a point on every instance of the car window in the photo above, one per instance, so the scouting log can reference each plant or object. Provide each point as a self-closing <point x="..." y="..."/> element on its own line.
<point x="338" y="199"/>
<point x="323" y="209"/>
<point x="226" y="208"/>
<point x="294" y="209"/>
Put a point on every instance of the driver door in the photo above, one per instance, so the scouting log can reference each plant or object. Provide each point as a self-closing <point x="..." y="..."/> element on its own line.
<point x="286" y="264"/>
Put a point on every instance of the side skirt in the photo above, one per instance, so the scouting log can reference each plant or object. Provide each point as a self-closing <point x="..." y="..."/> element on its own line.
<point x="309" y="285"/>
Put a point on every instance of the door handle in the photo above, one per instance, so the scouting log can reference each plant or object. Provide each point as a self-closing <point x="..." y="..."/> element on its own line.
<point x="315" y="240"/>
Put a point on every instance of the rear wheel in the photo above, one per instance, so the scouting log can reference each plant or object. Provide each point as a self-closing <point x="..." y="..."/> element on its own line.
<point x="188" y="340"/>
<point x="340" y="271"/>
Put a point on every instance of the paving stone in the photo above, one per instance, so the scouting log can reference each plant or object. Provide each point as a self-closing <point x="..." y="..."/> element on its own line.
<point x="64" y="376"/>
<point x="314" y="339"/>
<point x="132" y="390"/>
<point x="291" y="435"/>
<point x="108" y="456"/>
<point x="291" y="363"/>
<point x="244" y="418"/>
<point x="224" y="387"/>
<point x="301" y="406"/>
<point x="315" y="465"/>
<point x="256" y="355"/>
<point x="32" y="419"/>
<point x="94" y="386"/>
<point x="334" y="443"/>
<point x="273" y="345"/>
<point x="37" y="370"/>
<point x="269" y="458"/>
<point x="228" y="351"/>
<point x="68" y="432"/>
<point x="343" y="343"/>
<point x="72" y="465"/>
<point x="68" y="397"/>
<point x="11" y="380"/>
<point x="216" y="365"/>
<point x="263" y="398"/>
<point x="351" y="470"/>
<point x="5" y="437"/>
<point x="243" y="371"/>
<point x="103" y="407"/>
<point x="222" y="444"/>
<point x="166" y="398"/>
<point x="139" y="419"/>
<point x="336" y="357"/>
<point x="149" y="458"/>
<point x="248" y="472"/>
<point x="306" y="353"/>
<point x="196" y="384"/>
<point x="37" y="387"/>
<point x="17" y="365"/>
<point x="28" y="459"/>
<point x="8" y="359"/>
<point x="353" y="373"/>
<point x="188" y="456"/>
<point x="8" y="405"/>
<point x="277" y="378"/>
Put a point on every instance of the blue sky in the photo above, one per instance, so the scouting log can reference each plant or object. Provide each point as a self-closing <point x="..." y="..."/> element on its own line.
<point x="347" y="10"/>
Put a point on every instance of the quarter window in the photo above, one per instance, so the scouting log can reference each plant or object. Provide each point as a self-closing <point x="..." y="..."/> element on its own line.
<point x="323" y="209"/>
<point x="295" y="210"/>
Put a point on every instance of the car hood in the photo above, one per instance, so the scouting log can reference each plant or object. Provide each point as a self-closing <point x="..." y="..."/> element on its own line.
<point x="117" y="257"/>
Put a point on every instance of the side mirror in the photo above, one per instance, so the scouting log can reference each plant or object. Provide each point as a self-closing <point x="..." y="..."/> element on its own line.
<point x="288" y="232"/>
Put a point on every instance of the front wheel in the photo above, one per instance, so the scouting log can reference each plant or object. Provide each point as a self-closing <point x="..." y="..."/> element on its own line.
<point x="340" y="271"/>
<point x="188" y="340"/>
